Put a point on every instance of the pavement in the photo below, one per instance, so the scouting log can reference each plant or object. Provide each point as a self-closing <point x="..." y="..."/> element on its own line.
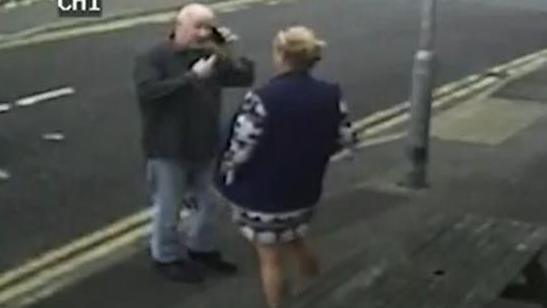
<point x="498" y="171"/>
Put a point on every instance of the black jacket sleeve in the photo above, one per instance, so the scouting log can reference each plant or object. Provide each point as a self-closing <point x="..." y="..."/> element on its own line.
<point x="149" y="80"/>
<point x="236" y="72"/>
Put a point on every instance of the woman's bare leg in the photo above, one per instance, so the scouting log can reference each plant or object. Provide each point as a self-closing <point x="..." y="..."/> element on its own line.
<point x="271" y="270"/>
<point x="308" y="265"/>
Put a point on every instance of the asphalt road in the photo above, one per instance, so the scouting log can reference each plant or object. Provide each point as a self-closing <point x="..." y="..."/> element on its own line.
<point x="62" y="190"/>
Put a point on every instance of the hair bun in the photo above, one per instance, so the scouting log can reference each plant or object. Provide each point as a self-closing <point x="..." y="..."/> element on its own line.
<point x="300" y="42"/>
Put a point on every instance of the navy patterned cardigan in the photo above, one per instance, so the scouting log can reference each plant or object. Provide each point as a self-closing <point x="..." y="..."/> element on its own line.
<point x="281" y="141"/>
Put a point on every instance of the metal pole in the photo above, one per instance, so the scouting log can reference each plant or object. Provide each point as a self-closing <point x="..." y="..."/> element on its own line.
<point x="422" y="87"/>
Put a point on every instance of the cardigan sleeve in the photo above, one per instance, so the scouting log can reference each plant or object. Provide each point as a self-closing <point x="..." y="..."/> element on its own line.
<point x="247" y="129"/>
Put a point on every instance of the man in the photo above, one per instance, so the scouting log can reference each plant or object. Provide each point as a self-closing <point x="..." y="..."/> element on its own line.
<point x="179" y="90"/>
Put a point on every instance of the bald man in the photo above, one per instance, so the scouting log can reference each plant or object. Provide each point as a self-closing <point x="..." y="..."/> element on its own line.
<point x="178" y="85"/>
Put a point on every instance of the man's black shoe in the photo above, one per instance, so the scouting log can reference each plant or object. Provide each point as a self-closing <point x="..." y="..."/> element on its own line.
<point x="180" y="271"/>
<point x="213" y="260"/>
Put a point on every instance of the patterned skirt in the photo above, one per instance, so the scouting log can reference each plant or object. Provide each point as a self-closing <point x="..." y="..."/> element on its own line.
<point x="272" y="228"/>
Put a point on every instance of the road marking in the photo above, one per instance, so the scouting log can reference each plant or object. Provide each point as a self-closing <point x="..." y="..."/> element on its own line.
<point x="41" y="34"/>
<point x="93" y="239"/>
<point x="452" y="92"/>
<point x="48" y="274"/>
<point x="9" y="6"/>
<point x="5" y="108"/>
<point x="45" y="96"/>
<point x="54" y="136"/>
<point x="460" y="88"/>
<point x="380" y="140"/>
<point x="4" y="175"/>
<point x="233" y="8"/>
<point x="344" y="154"/>
<point x="57" y="277"/>
<point x="51" y="269"/>
<point x="26" y="2"/>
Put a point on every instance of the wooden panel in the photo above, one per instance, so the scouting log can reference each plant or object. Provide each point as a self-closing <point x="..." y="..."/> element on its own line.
<point x="466" y="263"/>
<point x="477" y="261"/>
<point x="371" y="265"/>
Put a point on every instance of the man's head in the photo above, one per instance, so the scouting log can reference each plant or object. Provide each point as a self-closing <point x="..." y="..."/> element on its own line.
<point x="193" y="25"/>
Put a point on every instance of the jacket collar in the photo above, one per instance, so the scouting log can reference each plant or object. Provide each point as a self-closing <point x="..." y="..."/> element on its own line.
<point x="290" y="74"/>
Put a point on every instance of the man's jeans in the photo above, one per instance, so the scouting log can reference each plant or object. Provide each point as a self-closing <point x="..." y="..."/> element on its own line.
<point x="173" y="184"/>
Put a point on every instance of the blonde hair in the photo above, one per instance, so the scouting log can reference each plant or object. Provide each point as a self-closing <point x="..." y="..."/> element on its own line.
<point x="299" y="46"/>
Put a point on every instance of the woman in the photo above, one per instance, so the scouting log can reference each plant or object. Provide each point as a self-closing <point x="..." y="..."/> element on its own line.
<point x="272" y="169"/>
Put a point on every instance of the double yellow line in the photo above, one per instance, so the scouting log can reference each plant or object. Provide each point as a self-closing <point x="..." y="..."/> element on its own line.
<point x="56" y="269"/>
<point x="47" y="270"/>
<point x="369" y="128"/>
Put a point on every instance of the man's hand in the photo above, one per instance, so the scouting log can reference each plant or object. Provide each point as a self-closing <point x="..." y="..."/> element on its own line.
<point x="228" y="172"/>
<point x="204" y="67"/>
<point x="222" y="42"/>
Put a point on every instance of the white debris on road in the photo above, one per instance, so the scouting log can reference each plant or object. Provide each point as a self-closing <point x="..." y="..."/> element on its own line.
<point x="5" y="108"/>
<point x="53" y="136"/>
<point x="4" y="175"/>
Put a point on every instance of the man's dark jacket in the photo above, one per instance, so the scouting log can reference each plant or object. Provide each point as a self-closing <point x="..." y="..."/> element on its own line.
<point x="180" y="112"/>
